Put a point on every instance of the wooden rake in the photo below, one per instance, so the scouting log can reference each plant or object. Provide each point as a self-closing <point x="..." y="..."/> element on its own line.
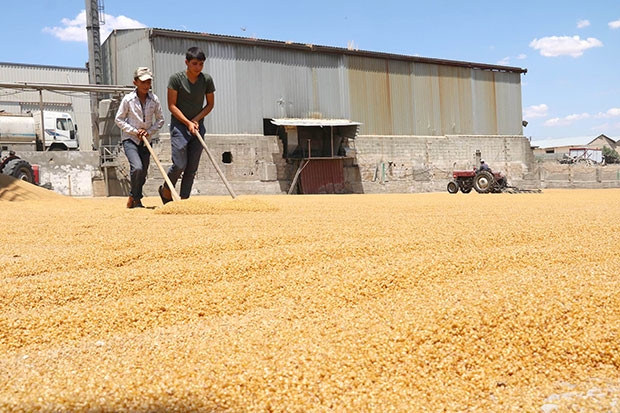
<point x="217" y="168"/>
<point x="173" y="192"/>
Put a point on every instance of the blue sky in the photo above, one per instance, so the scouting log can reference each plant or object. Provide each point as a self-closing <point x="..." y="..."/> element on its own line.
<point x="570" y="48"/>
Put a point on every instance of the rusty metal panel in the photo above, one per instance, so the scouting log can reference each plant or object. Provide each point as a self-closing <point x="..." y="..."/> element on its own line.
<point x="323" y="176"/>
<point x="484" y="104"/>
<point x="508" y="103"/>
<point x="426" y="105"/>
<point x="401" y="97"/>
<point x="369" y="94"/>
<point x="455" y="100"/>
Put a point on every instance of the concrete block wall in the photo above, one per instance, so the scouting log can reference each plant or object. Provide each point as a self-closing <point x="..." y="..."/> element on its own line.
<point x="252" y="164"/>
<point x="383" y="164"/>
<point x="68" y="173"/>
<point x="552" y="174"/>
<point x="425" y="163"/>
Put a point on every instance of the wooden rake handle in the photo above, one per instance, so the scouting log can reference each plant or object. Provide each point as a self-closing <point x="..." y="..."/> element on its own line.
<point x="173" y="192"/>
<point x="217" y="168"/>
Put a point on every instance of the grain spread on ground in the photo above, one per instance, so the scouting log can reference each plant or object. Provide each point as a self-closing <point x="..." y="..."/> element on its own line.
<point x="344" y="303"/>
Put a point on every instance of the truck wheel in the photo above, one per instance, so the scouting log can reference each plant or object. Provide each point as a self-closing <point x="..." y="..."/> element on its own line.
<point x="484" y="182"/>
<point x="453" y="188"/>
<point x="20" y="169"/>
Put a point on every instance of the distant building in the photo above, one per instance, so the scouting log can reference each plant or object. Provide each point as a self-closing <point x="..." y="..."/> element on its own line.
<point x="601" y="141"/>
<point x="405" y="121"/>
<point x="23" y="101"/>
<point x="574" y="147"/>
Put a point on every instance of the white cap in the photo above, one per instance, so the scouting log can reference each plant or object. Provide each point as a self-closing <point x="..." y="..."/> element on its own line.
<point x="143" y="73"/>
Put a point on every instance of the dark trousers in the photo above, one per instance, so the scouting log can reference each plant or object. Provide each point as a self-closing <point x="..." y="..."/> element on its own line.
<point x="138" y="157"/>
<point x="186" y="151"/>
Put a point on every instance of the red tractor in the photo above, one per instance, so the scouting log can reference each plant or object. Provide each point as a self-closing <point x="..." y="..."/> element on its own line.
<point x="483" y="182"/>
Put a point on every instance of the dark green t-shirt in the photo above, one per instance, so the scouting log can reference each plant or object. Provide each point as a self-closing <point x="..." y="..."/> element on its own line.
<point x="190" y="96"/>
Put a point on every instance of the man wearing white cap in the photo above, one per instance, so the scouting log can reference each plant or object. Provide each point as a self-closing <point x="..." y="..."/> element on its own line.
<point x="139" y="117"/>
<point x="484" y="166"/>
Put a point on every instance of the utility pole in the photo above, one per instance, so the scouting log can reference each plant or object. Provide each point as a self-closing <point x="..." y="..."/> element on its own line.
<point x="93" y="19"/>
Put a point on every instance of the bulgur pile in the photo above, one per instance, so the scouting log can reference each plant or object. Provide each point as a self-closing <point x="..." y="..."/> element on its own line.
<point x="345" y="303"/>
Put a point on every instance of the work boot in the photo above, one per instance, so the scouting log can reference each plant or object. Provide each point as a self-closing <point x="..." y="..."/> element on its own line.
<point x="164" y="194"/>
<point x="134" y="203"/>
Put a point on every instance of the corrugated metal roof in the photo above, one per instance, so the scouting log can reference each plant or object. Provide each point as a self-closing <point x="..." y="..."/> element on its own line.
<point x="329" y="49"/>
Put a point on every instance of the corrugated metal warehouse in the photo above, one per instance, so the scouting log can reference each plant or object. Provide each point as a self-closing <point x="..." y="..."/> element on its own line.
<point x="418" y="118"/>
<point x="300" y="118"/>
<point x="388" y="94"/>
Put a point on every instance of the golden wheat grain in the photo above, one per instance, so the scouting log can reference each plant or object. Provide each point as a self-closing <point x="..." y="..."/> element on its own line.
<point x="312" y="303"/>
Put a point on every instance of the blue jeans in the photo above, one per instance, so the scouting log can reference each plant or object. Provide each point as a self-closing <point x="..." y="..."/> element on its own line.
<point x="138" y="157"/>
<point x="186" y="151"/>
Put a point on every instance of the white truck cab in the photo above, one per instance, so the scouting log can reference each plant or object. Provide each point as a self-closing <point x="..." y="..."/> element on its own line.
<point x="56" y="131"/>
<point x="60" y="131"/>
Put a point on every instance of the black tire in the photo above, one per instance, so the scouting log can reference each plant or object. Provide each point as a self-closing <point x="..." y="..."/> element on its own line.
<point x="453" y="188"/>
<point x="20" y="169"/>
<point x="466" y="185"/>
<point x="484" y="182"/>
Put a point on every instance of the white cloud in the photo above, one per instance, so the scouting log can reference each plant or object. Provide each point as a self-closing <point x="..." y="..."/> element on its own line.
<point x="554" y="46"/>
<point x="614" y="24"/>
<point x="583" y="23"/>
<point x="504" y="62"/>
<point x="567" y="120"/>
<point x="74" y="30"/>
<point x="536" y="111"/>
<point x="611" y="113"/>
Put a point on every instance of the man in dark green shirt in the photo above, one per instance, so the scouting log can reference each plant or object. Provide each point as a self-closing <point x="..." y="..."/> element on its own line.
<point x="187" y="92"/>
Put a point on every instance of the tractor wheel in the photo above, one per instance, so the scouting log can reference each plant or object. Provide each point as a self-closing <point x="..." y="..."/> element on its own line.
<point x="484" y="182"/>
<point x="453" y="188"/>
<point x="20" y="169"/>
<point x="466" y="185"/>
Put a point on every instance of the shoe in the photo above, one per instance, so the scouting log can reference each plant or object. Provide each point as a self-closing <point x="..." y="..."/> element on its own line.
<point x="133" y="203"/>
<point x="164" y="194"/>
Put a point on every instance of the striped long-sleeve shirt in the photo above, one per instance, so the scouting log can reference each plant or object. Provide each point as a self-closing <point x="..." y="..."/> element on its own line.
<point x="131" y="116"/>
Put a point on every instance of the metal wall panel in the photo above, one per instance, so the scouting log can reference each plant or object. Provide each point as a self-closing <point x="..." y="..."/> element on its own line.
<point x="401" y="97"/>
<point x="484" y="103"/>
<point x="124" y="51"/>
<point x="255" y="83"/>
<point x="388" y="94"/>
<point x="369" y="94"/>
<point x="508" y="104"/>
<point x="426" y="101"/>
